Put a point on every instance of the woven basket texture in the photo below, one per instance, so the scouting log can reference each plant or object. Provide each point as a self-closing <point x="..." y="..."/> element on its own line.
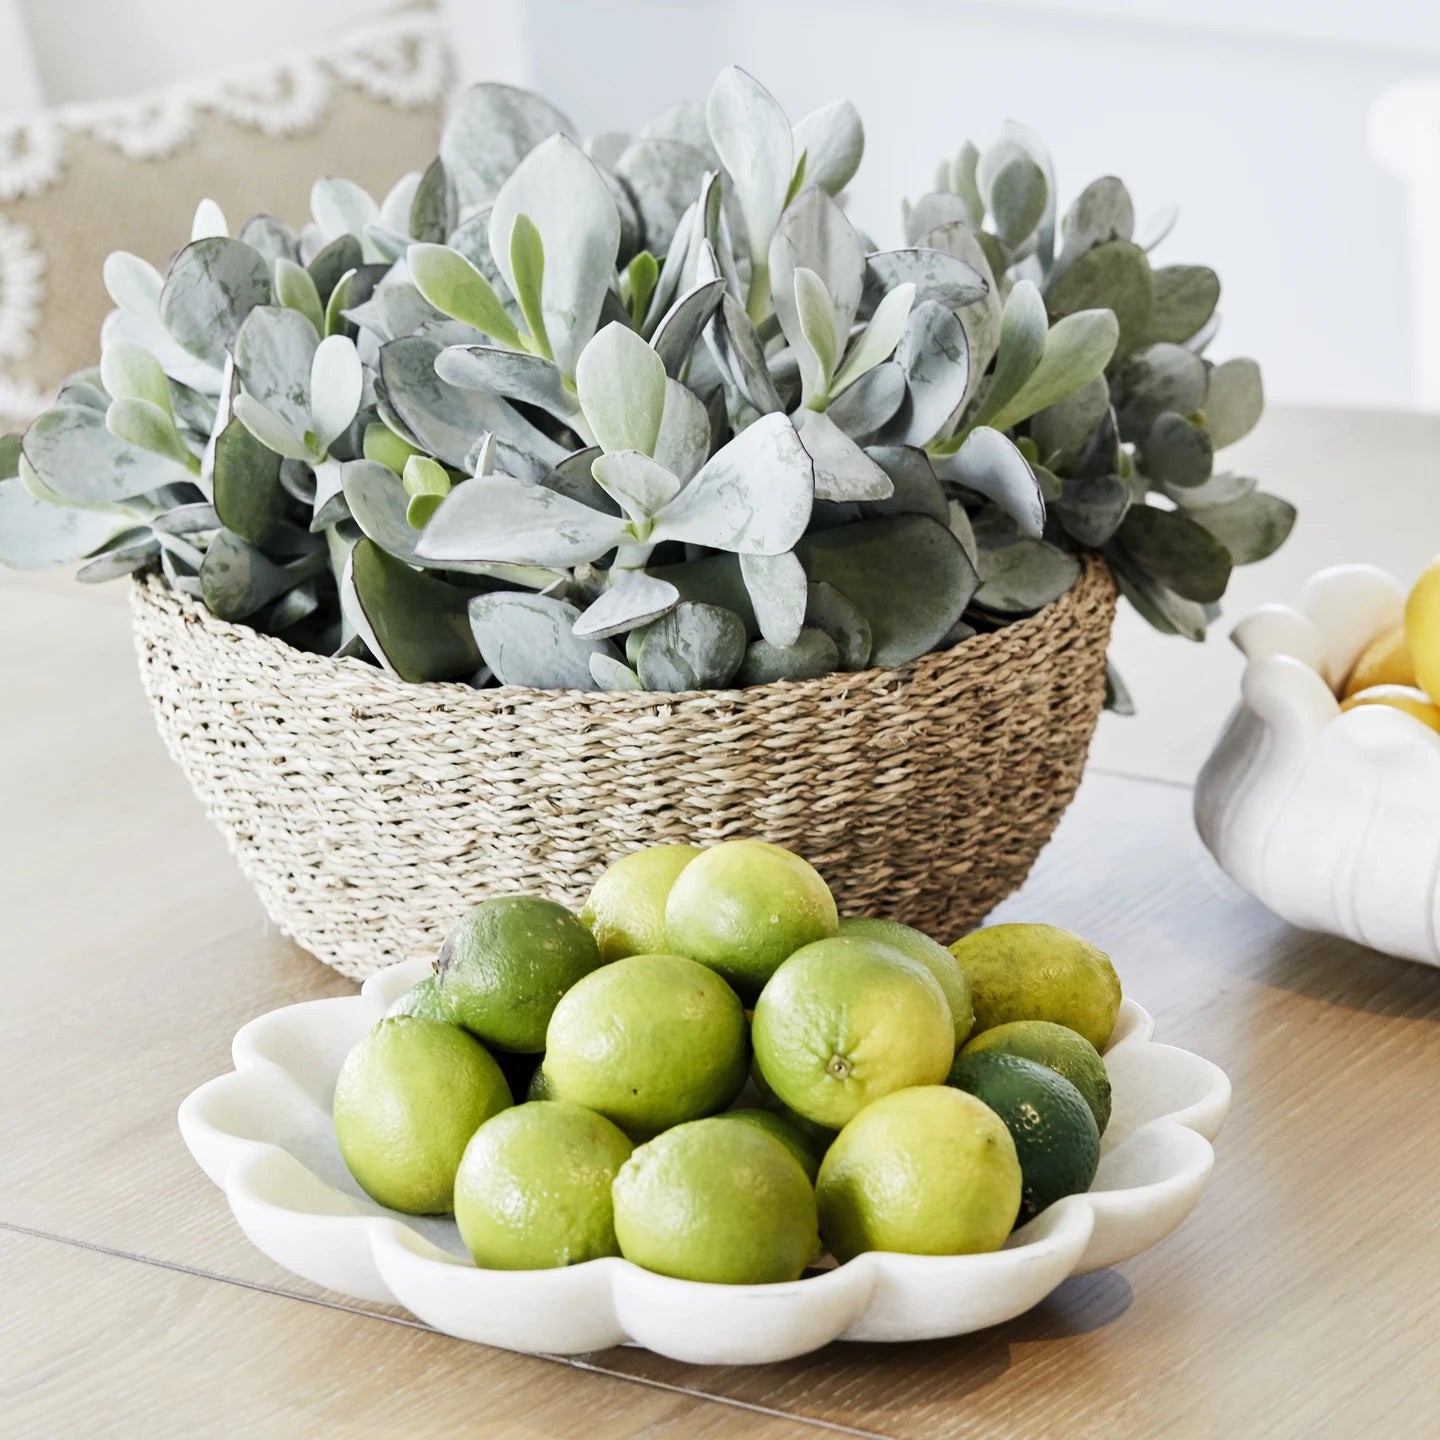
<point x="369" y="813"/>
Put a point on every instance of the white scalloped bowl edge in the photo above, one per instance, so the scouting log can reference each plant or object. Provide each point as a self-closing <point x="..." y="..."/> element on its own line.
<point x="263" y="1134"/>
<point x="1327" y="817"/>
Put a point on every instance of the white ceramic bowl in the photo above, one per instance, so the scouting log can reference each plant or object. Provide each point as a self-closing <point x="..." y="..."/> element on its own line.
<point x="1329" y="818"/>
<point x="263" y="1134"/>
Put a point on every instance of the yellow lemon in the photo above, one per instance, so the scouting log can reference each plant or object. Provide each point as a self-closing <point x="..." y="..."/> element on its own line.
<point x="1384" y="661"/>
<point x="1422" y="629"/>
<point x="1398" y="697"/>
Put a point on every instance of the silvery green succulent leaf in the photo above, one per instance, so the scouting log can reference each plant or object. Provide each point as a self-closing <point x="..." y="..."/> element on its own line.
<point x="512" y="375"/>
<point x="959" y="176"/>
<point x="934" y="356"/>
<point x="76" y="458"/>
<point x="862" y="560"/>
<point x="612" y="674"/>
<point x="1233" y="401"/>
<point x="562" y="194"/>
<point x="189" y="519"/>
<point x="339" y="257"/>
<point x="1117" y="695"/>
<point x="1157" y="227"/>
<point x="936" y="275"/>
<point x="914" y="488"/>
<point x="434" y="206"/>
<point x="414" y="624"/>
<point x="329" y="507"/>
<point x="877" y="341"/>
<point x="1078" y="347"/>
<point x="1114" y="276"/>
<point x="663" y="176"/>
<point x="683" y="443"/>
<point x="1024" y="329"/>
<point x="1185" y="299"/>
<point x="1103" y="211"/>
<point x="274" y="352"/>
<point x="753" y="496"/>
<point x="141" y="423"/>
<point x="1176" y="551"/>
<point x="1160" y="607"/>
<point x="211" y="286"/>
<point x="634" y="598"/>
<point x="685" y="122"/>
<point x="841" y="619"/>
<point x="1155" y="379"/>
<point x="683" y="324"/>
<point x="490" y="130"/>
<point x="246" y="484"/>
<point x="237" y="579"/>
<point x="843" y="471"/>
<point x="694" y="647"/>
<point x="812" y="654"/>
<point x="1060" y="430"/>
<point x="131" y="372"/>
<point x="295" y="290"/>
<point x="1018" y="199"/>
<point x="982" y="316"/>
<point x="754" y="141"/>
<point x="572" y="477"/>
<point x="35" y="534"/>
<point x="1177" y="451"/>
<point x="929" y="212"/>
<point x="497" y="519"/>
<point x="777" y="587"/>
<point x="1220" y="489"/>
<point x="740" y="357"/>
<point x="640" y="486"/>
<point x="1091" y="507"/>
<point x="119" y="559"/>
<point x="989" y="464"/>
<point x="1031" y="144"/>
<point x="341" y="207"/>
<point x="866" y="406"/>
<point x="814" y="235"/>
<point x="271" y="238"/>
<point x="337" y="383"/>
<point x="621" y="385"/>
<point x="1251" y="528"/>
<point x="832" y="140"/>
<point x="1023" y="576"/>
<point x="962" y="528"/>
<point x="451" y="284"/>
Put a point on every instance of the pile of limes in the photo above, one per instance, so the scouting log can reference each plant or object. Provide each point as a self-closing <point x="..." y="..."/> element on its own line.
<point x="719" y="1078"/>
<point x="1400" y="667"/>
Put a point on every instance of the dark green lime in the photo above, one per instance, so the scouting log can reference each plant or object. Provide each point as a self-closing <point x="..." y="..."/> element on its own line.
<point x="1058" y="1048"/>
<point x="1055" y="1134"/>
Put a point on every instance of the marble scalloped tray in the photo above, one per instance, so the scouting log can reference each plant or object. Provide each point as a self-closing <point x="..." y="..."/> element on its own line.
<point x="263" y="1134"/>
<point x="1328" y="817"/>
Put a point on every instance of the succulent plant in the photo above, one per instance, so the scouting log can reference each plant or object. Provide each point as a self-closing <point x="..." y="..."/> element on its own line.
<point x="652" y="413"/>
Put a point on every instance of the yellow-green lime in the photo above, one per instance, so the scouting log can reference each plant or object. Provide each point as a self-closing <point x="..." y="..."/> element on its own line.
<point x="1040" y="972"/>
<point x="719" y="1201"/>
<point x="626" y="908"/>
<point x="931" y="954"/>
<point x="1057" y="1047"/>
<point x="533" y="1190"/>
<point x="648" y="1041"/>
<point x="741" y="907"/>
<point x="423" y="998"/>
<point x="844" y="1021"/>
<point x="1055" y="1135"/>
<point x="926" y="1171"/>
<point x="786" y="1131"/>
<point x="408" y="1098"/>
<point x="505" y="965"/>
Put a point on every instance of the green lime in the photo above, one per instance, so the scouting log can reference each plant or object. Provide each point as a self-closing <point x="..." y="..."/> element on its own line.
<point x="505" y="965"/>
<point x="845" y="1021"/>
<point x="743" y="906"/>
<point x="1058" y="1047"/>
<point x="539" y="1087"/>
<point x="1040" y="972"/>
<point x="408" y="1098"/>
<point x="931" y="954"/>
<point x="533" y="1190"/>
<point x="787" y="1132"/>
<point x="1055" y="1134"/>
<point x="927" y="1171"/>
<point x="648" y="1041"/>
<point x="626" y="908"/>
<point x="423" y="998"/>
<point x="719" y="1201"/>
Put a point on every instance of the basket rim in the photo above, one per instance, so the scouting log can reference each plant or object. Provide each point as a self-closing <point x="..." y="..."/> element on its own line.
<point x="151" y="592"/>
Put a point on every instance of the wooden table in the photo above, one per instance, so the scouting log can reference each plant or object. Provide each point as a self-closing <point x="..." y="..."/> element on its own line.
<point x="1302" y="1299"/>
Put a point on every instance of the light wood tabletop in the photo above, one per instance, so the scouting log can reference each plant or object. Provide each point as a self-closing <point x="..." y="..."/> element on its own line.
<point x="1302" y="1299"/>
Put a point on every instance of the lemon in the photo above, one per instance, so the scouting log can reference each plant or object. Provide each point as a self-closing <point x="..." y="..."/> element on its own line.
<point x="932" y="955"/>
<point x="505" y="965"/>
<point x="743" y="906"/>
<point x="718" y="1201"/>
<point x="533" y="1189"/>
<point x="1054" y="1046"/>
<point x="1384" y="661"/>
<point x="797" y="1141"/>
<point x="1397" y="697"/>
<point x="1422" y="629"/>
<point x="1056" y="1139"/>
<point x="648" y="1041"/>
<point x="408" y="1098"/>
<point x="846" y="1020"/>
<point x="626" y="908"/>
<point x="925" y="1171"/>
<point x="1040" y="972"/>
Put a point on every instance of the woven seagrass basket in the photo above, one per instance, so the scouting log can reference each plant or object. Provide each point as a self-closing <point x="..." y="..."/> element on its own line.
<point x="370" y="813"/>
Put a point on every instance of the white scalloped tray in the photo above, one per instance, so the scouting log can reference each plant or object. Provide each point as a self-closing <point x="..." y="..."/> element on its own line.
<point x="263" y="1134"/>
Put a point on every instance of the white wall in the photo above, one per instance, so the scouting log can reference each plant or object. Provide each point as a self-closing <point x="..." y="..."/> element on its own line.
<point x="1250" y="116"/>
